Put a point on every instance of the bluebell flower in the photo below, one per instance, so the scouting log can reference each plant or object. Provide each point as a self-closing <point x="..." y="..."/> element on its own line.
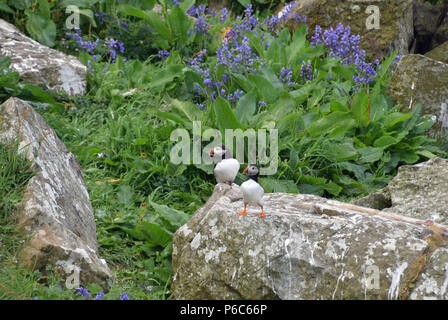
<point x="99" y="296"/>
<point x="124" y="296"/>
<point x="224" y="13"/>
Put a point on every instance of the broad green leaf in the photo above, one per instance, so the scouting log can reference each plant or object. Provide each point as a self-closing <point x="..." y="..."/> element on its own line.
<point x="5" y="8"/>
<point x="265" y="88"/>
<point x="341" y="151"/>
<point x="360" y="108"/>
<point x="294" y="50"/>
<point x="246" y="107"/>
<point x="224" y="115"/>
<point x="188" y="109"/>
<point x="426" y="154"/>
<point x="384" y="142"/>
<point x="370" y="154"/>
<point x="326" y="123"/>
<point x="40" y="28"/>
<point x="154" y="20"/>
<point x="155" y="234"/>
<point x="180" y="25"/>
<point x="277" y="185"/>
<point x="173" y="218"/>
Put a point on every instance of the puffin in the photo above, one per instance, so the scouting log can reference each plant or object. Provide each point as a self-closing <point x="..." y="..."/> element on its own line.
<point x="252" y="191"/>
<point x="226" y="167"/>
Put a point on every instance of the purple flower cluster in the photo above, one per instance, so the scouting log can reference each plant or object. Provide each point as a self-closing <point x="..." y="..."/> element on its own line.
<point x="163" y="54"/>
<point x="100" y="16"/>
<point x="124" y="296"/>
<point x="343" y="45"/>
<point x="306" y="71"/>
<point x="237" y="55"/>
<point x="113" y="45"/>
<point x="286" y="76"/>
<point x="99" y="296"/>
<point x="88" y="46"/>
<point x="272" y="21"/>
<point x="85" y="293"/>
<point x="224" y="13"/>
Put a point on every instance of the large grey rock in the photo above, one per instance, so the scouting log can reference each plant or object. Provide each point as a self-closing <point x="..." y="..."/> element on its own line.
<point x="306" y="248"/>
<point x="419" y="191"/>
<point x="40" y="65"/>
<point x="440" y="53"/>
<point x="441" y="34"/>
<point x="426" y="22"/>
<point x="396" y="25"/>
<point x="55" y="213"/>
<point x="422" y="79"/>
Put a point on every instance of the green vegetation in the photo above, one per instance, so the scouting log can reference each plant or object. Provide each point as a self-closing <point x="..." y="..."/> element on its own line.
<point x="339" y="133"/>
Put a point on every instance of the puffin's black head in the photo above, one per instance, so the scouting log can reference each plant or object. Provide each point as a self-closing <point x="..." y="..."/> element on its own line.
<point x="220" y="153"/>
<point x="252" y="171"/>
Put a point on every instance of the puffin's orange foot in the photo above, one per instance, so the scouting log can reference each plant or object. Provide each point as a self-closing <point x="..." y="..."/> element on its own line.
<point x="262" y="214"/>
<point x="242" y="213"/>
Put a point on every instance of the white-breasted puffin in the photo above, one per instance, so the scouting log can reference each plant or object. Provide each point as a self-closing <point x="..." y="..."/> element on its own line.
<point x="252" y="191"/>
<point x="226" y="167"/>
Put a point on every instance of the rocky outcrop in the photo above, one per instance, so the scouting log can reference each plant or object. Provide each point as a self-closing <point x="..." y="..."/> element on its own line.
<point x="306" y="248"/>
<point x="441" y="34"/>
<point x="440" y="53"/>
<point x="419" y="79"/>
<point x="40" y="65"/>
<point x="426" y="23"/>
<point x="418" y="191"/>
<point x="55" y="214"/>
<point x="384" y="26"/>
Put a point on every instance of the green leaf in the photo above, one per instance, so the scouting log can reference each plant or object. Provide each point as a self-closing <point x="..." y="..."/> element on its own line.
<point x="188" y="109"/>
<point x="370" y="154"/>
<point x="5" y="8"/>
<point x="154" y="20"/>
<point x="267" y="91"/>
<point x="360" y="108"/>
<point x="326" y="123"/>
<point x="173" y="219"/>
<point x="278" y="185"/>
<point x="180" y="25"/>
<point x="246" y="107"/>
<point x="385" y="142"/>
<point x="294" y="50"/>
<point x="40" y="28"/>
<point x="155" y="234"/>
<point x="224" y="115"/>
<point x="426" y="154"/>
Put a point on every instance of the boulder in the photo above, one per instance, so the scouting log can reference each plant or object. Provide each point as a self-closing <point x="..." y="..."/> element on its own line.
<point x="55" y="214"/>
<point x="395" y="30"/>
<point x="440" y="53"/>
<point x="426" y="18"/>
<point x="441" y="34"/>
<point x="306" y="248"/>
<point x="425" y="80"/>
<point x="418" y="191"/>
<point x="40" y="65"/>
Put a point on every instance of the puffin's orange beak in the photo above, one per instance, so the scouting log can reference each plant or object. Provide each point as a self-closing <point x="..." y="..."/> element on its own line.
<point x="245" y="170"/>
<point x="211" y="153"/>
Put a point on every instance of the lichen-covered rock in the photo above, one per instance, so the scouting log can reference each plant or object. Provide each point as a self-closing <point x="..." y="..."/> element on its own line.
<point x="433" y="282"/>
<point x="55" y="213"/>
<point x="40" y="65"/>
<point x="439" y="53"/>
<point x="395" y="29"/>
<point x="419" y="191"/>
<point x="422" y="79"/>
<point x="306" y="248"/>
<point x="441" y="34"/>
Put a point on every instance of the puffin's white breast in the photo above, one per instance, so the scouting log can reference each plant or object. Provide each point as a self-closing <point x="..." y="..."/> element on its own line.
<point x="226" y="170"/>
<point x="252" y="192"/>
